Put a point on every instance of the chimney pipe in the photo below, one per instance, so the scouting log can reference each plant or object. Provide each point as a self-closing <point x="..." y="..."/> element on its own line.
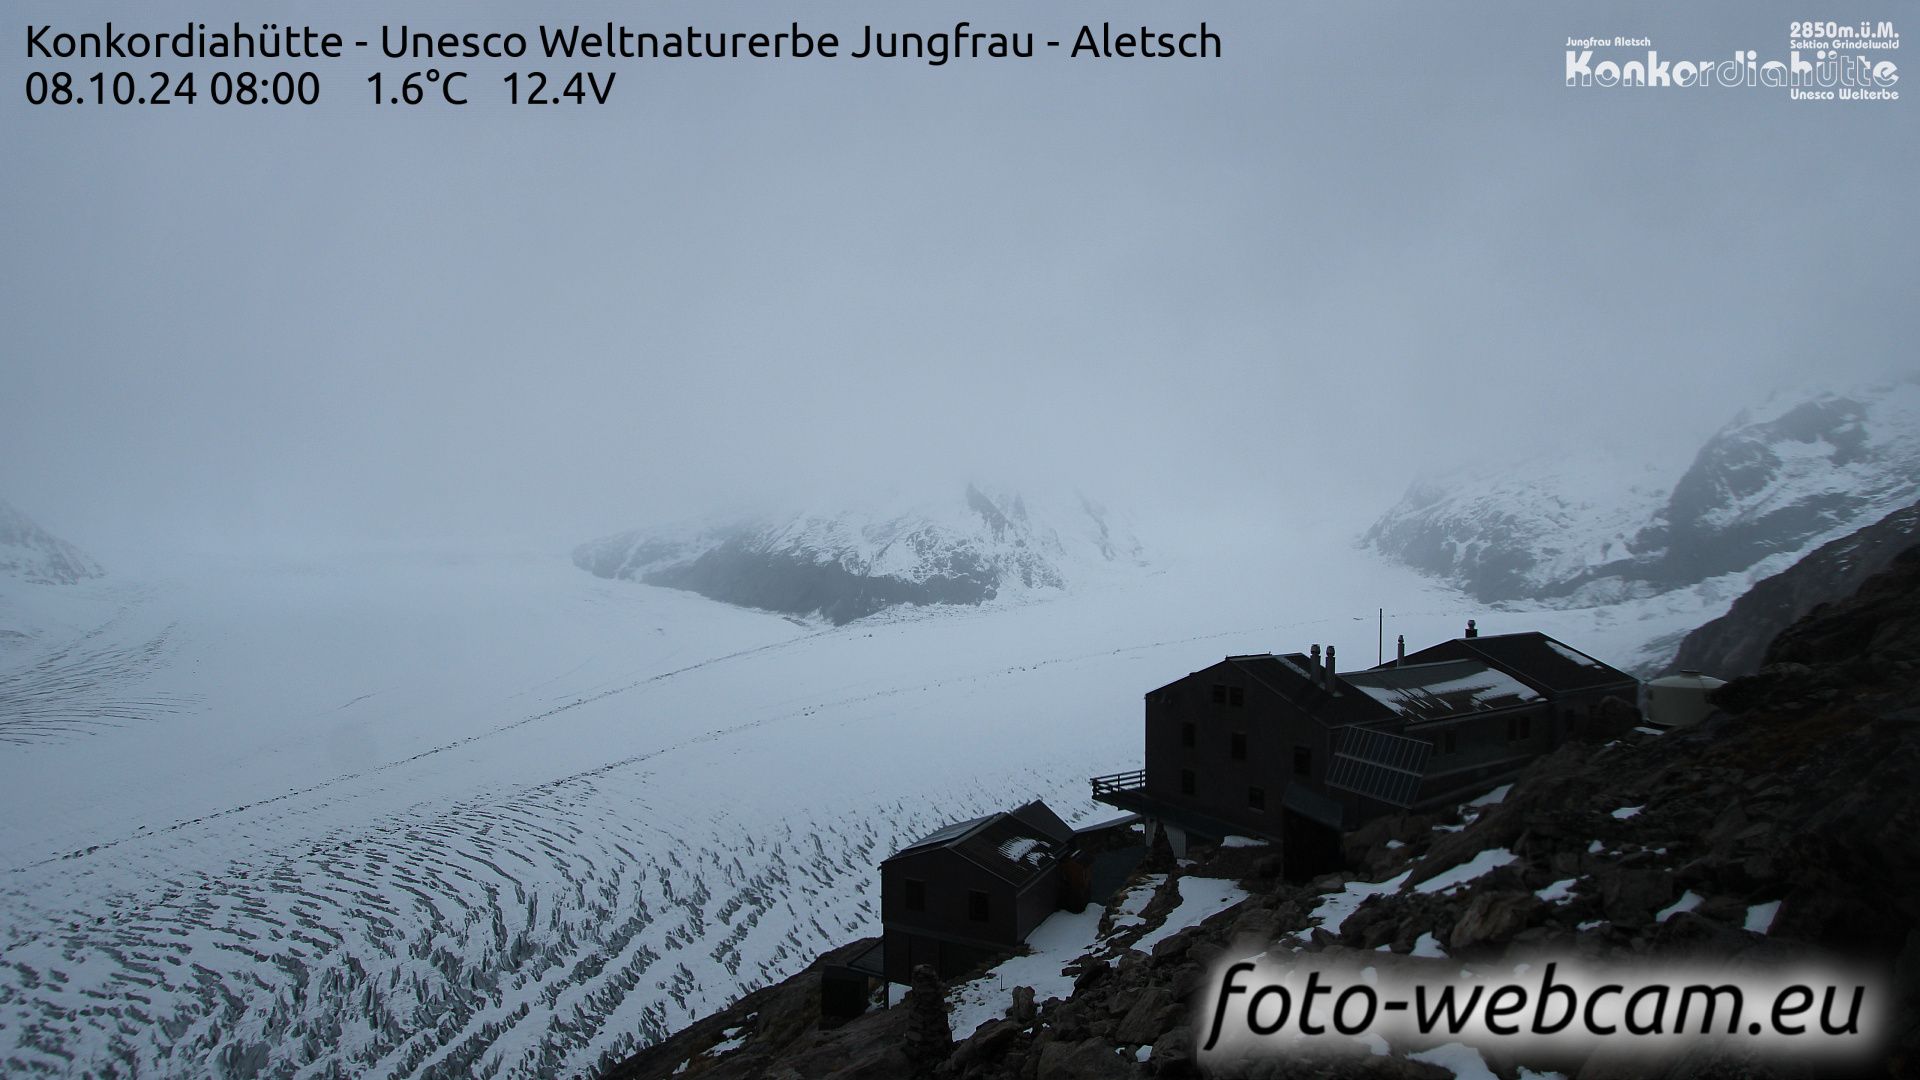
<point x="1330" y="671"/>
<point x="1314" y="669"/>
<point x="1402" y="657"/>
<point x="1472" y="630"/>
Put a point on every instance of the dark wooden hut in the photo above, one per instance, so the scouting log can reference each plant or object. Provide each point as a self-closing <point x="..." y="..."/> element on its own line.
<point x="973" y="890"/>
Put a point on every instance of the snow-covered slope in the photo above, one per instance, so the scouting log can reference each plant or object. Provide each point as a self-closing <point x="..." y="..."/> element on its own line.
<point x="1785" y="476"/>
<point x="1522" y="529"/>
<point x="1777" y="481"/>
<point x="1736" y="643"/>
<point x="851" y="562"/>
<point x="32" y="554"/>
<point x="497" y="816"/>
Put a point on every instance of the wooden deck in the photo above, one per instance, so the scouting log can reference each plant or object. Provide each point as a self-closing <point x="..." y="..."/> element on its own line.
<point x="1115" y="783"/>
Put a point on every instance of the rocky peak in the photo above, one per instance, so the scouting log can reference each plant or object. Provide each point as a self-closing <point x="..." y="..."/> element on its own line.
<point x="1774" y="481"/>
<point x="30" y="553"/>
<point x="851" y="562"/>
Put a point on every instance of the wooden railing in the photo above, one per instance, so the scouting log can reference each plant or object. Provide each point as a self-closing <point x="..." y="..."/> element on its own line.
<point x="1117" y="782"/>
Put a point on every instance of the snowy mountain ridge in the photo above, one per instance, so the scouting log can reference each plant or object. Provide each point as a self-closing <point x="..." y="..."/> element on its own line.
<point x="1779" y="479"/>
<point x="33" y="554"/>
<point x="849" y="562"/>
<point x="1519" y="528"/>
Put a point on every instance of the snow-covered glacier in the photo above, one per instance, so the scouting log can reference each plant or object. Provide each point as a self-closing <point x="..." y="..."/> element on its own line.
<point x="437" y="816"/>
<point x="487" y="814"/>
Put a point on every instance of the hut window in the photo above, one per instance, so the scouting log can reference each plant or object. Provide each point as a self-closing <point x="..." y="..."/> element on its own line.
<point x="1186" y="733"/>
<point x="1219" y="693"/>
<point x="1526" y="727"/>
<point x="913" y="894"/>
<point x="1236" y="695"/>
<point x="1257" y="798"/>
<point x="1447" y="743"/>
<point x="1239" y="746"/>
<point x="1186" y="781"/>
<point x="1302" y="761"/>
<point x="977" y="905"/>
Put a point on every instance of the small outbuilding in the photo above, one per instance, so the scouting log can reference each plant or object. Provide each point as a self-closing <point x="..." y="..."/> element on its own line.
<point x="974" y="890"/>
<point x="1681" y="700"/>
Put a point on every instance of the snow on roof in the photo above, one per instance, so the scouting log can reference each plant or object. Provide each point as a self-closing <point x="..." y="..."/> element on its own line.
<point x="1008" y="849"/>
<point x="1431" y="691"/>
<point x="1013" y="845"/>
<point x="1019" y="849"/>
<point x="1533" y="657"/>
<point x="1573" y="654"/>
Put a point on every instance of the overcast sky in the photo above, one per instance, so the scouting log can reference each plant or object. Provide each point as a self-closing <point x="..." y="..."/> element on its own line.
<point x="1374" y="239"/>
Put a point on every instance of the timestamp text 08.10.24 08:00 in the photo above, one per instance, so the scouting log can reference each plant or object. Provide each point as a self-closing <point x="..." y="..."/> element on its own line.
<point x="426" y="86"/>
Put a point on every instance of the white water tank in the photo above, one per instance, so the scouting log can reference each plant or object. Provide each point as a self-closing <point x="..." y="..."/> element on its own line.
<point x="1680" y="700"/>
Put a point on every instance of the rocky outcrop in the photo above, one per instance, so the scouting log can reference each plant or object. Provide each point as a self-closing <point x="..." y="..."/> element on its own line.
<point x="1770" y="482"/>
<point x="1736" y="643"/>
<point x="1519" y="530"/>
<point x="851" y="563"/>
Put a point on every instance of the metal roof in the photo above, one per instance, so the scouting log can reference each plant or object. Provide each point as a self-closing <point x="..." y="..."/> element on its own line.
<point x="1533" y="657"/>
<point x="1447" y="688"/>
<point x="1014" y="846"/>
<point x="1009" y="850"/>
<point x="1290" y="676"/>
<point x="944" y="835"/>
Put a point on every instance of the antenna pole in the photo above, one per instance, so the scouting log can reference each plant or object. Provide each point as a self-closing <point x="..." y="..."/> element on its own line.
<point x="1380" y="638"/>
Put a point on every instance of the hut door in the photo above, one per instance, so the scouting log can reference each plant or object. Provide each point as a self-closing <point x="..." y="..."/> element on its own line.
<point x="1308" y="848"/>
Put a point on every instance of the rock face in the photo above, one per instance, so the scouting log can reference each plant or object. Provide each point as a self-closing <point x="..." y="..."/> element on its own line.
<point x="848" y="564"/>
<point x="1769" y="483"/>
<point x="30" y="553"/>
<point x="1521" y="530"/>
<point x="1782" y="825"/>
<point x="1773" y="481"/>
<point x="1736" y="643"/>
